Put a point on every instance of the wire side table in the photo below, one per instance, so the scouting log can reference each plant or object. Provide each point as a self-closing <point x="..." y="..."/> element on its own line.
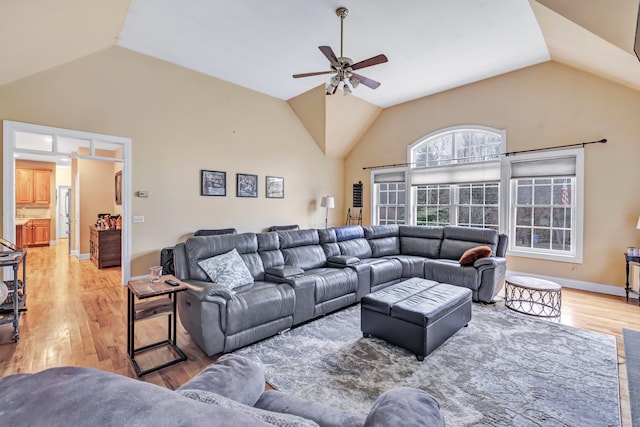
<point x="533" y="296"/>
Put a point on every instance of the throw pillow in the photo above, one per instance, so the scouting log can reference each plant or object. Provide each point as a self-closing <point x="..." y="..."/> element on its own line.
<point x="227" y="269"/>
<point x="473" y="254"/>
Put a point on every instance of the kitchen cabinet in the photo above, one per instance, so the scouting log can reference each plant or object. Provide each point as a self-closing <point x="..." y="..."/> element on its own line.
<point x="33" y="186"/>
<point x="39" y="232"/>
<point x="35" y="232"/>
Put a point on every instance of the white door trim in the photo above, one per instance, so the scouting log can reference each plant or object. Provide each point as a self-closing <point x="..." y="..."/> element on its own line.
<point x="8" y="174"/>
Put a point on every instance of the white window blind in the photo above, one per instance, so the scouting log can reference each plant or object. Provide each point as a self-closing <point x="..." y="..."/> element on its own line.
<point x="387" y="177"/>
<point x="547" y="168"/>
<point x="464" y="173"/>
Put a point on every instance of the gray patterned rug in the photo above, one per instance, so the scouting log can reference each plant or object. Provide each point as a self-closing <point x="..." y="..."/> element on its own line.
<point x="504" y="369"/>
<point x="632" y="355"/>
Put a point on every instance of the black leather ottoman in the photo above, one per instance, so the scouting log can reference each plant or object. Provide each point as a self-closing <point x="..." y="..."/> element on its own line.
<point x="416" y="314"/>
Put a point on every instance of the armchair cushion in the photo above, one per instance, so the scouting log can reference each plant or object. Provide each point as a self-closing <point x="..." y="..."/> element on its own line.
<point x="471" y="255"/>
<point x="227" y="269"/>
<point x="273" y="418"/>
<point x="233" y="377"/>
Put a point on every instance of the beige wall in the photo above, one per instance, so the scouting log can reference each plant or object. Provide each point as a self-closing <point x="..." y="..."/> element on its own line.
<point x="542" y="106"/>
<point x="180" y="122"/>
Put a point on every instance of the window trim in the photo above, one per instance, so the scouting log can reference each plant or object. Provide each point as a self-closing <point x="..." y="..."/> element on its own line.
<point x="509" y="212"/>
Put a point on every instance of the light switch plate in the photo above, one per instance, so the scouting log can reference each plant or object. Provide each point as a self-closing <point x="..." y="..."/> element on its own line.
<point x="138" y="219"/>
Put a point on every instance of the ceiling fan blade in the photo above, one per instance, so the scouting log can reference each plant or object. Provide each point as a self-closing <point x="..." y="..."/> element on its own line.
<point x="317" y="73"/>
<point x="328" y="52"/>
<point x="365" y="81"/>
<point x="379" y="59"/>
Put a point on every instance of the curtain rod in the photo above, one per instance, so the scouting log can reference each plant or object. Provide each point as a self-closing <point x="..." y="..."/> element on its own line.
<point x="511" y="153"/>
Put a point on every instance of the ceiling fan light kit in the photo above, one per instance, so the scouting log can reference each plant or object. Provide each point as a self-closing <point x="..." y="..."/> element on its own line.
<point x="343" y="68"/>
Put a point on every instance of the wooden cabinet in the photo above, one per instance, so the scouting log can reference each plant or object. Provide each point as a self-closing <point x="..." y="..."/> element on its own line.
<point x="35" y="232"/>
<point x="39" y="232"/>
<point x="24" y="186"/>
<point x="33" y="186"/>
<point x="105" y="247"/>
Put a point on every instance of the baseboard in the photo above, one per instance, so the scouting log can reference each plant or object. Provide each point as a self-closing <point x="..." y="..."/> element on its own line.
<point x="84" y="256"/>
<point x="577" y="284"/>
<point x="53" y="242"/>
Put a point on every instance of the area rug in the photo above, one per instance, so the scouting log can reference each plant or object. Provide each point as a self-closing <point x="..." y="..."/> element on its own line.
<point x="504" y="369"/>
<point x="631" y="340"/>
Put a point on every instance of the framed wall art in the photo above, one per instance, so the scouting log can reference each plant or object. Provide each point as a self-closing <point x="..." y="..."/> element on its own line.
<point x="246" y="185"/>
<point x="274" y="187"/>
<point x="213" y="183"/>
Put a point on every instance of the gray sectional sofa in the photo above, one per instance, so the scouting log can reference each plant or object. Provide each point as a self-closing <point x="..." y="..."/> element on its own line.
<point x="229" y="392"/>
<point x="300" y="275"/>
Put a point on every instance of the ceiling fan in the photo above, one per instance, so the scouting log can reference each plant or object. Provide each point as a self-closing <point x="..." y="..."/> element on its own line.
<point x="343" y="67"/>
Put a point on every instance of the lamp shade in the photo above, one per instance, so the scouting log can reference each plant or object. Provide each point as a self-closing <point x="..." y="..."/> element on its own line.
<point x="328" y="202"/>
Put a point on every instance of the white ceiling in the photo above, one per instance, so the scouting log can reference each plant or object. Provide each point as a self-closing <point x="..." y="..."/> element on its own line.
<point x="432" y="45"/>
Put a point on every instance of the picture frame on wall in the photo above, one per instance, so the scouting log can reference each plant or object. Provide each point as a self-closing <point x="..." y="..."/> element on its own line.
<point x="246" y="185"/>
<point x="119" y="188"/>
<point x="213" y="183"/>
<point x="274" y="187"/>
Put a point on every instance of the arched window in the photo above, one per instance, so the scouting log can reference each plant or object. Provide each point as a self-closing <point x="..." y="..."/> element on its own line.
<point x="456" y="145"/>
<point x="455" y="177"/>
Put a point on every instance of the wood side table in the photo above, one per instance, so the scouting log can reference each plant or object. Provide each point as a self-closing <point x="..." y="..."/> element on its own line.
<point x="627" y="288"/>
<point x="164" y="305"/>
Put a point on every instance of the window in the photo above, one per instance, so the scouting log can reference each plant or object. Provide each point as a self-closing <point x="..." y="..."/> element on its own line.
<point x="433" y="204"/>
<point x="455" y="177"/>
<point x="545" y="218"/>
<point x="460" y="176"/>
<point x="389" y="196"/>
<point x="479" y="205"/>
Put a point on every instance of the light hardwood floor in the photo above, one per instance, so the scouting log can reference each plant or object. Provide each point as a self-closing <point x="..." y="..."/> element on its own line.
<point x="76" y="316"/>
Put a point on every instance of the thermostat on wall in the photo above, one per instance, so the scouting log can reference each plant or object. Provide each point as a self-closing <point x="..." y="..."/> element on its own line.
<point x="142" y="193"/>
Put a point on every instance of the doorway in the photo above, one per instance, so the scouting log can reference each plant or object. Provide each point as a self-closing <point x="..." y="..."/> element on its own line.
<point x="63" y="214"/>
<point x="44" y="143"/>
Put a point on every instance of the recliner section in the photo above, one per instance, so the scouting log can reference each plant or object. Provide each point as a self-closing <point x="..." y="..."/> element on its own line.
<point x="300" y="275"/>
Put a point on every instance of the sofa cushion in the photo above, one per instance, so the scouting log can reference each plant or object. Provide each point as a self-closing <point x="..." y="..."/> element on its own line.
<point x="231" y="376"/>
<point x="355" y="247"/>
<point x="383" y="270"/>
<point x="333" y="283"/>
<point x="199" y="248"/>
<point x="385" y="246"/>
<point x="301" y="248"/>
<point x="471" y="255"/>
<point x="227" y="269"/>
<point x="450" y="271"/>
<point x="420" y="241"/>
<point x="274" y="418"/>
<point x="383" y="239"/>
<point x="324" y="415"/>
<point x="258" y="305"/>
<point x="458" y="239"/>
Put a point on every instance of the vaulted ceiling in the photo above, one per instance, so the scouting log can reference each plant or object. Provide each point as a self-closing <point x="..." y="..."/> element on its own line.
<point x="432" y="45"/>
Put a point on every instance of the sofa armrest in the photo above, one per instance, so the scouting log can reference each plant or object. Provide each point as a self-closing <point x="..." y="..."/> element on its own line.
<point x="396" y="406"/>
<point x="489" y="262"/>
<point x="284" y="271"/>
<point x="342" y="261"/>
<point x="208" y="291"/>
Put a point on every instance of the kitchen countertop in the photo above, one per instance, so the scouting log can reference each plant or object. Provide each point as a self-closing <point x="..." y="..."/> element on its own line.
<point x="22" y="221"/>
